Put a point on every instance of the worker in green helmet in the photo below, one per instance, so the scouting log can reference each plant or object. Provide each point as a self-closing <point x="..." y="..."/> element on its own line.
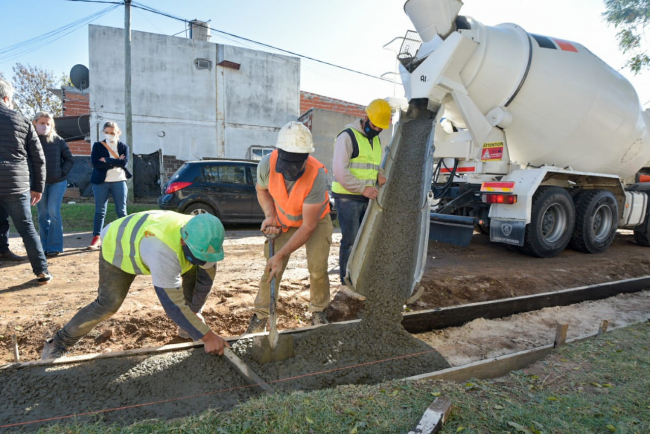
<point x="179" y="251"/>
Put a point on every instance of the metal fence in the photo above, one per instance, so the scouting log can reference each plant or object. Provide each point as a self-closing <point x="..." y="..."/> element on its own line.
<point x="146" y="176"/>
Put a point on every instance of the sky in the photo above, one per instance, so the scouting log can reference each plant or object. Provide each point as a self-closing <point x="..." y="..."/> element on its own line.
<point x="343" y="32"/>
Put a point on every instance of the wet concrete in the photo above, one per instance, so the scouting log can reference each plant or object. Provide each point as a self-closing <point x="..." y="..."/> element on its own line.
<point x="374" y="350"/>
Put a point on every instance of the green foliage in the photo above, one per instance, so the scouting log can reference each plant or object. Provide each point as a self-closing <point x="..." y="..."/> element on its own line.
<point x="32" y="95"/>
<point x="631" y="18"/>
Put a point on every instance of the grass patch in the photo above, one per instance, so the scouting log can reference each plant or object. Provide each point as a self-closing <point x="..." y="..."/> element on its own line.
<point x="79" y="217"/>
<point x="599" y="385"/>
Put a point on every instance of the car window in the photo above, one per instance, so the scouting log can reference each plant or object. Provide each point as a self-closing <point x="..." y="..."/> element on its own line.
<point x="232" y="175"/>
<point x="211" y="174"/>
<point x="253" y="174"/>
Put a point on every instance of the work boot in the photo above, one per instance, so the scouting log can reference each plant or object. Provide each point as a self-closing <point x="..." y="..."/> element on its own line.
<point x="44" y="278"/>
<point x="256" y="325"/>
<point x="350" y="293"/>
<point x="53" y="349"/>
<point x="11" y="256"/>
<point x="319" y="318"/>
<point x="183" y="334"/>
<point x="95" y="243"/>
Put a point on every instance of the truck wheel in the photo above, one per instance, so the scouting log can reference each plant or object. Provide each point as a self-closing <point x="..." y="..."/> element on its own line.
<point x="551" y="224"/>
<point x="596" y="221"/>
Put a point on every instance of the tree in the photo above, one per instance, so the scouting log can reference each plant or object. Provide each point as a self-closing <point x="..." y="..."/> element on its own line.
<point x="31" y="85"/>
<point x="631" y="17"/>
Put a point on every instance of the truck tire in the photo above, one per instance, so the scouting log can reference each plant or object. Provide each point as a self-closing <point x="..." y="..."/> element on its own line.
<point x="596" y="221"/>
<point x="551" y="222"/>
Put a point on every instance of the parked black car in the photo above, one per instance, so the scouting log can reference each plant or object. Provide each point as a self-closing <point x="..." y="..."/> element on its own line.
<point x="225" y="188"/>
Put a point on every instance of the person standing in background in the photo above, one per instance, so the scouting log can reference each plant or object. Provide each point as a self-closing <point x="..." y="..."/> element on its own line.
<point x="109" y="159"/>
<point x="22" y="177"/>
<point x="58" y="163"/>
<point x="357" y="174"/>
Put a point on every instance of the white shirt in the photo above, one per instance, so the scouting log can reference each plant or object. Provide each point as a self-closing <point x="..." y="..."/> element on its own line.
<point x="115" y="174"/>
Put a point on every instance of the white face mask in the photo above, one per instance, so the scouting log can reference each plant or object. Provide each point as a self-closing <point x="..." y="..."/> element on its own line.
<point x="43" y="129"/>
<point x="110" y="137"/>
<point x="208" y="265"/>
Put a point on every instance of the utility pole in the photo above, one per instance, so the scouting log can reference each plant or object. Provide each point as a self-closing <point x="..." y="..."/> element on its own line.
<point x="128" y="110"/>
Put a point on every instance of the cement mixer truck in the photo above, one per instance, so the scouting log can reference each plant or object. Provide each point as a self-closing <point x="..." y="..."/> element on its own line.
<point x="537" y="142"/>
<point x="534" y="140"/>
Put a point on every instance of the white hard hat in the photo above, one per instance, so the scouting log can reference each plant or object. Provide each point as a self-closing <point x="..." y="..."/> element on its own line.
<point x="296" y="138"/>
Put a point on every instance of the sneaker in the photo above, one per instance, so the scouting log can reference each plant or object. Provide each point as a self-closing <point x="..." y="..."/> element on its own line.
<point x="53" y="350"/>
<point x="44" y="278"/>
<point x="183" y="334"/>
<point x="319" y="318"/>
<point x="350" y="293"/>
<point x="52" y="254"/>
<point x="95" y="243"/>
<point x="11" y="256"/>
<point x="256" y="325"/>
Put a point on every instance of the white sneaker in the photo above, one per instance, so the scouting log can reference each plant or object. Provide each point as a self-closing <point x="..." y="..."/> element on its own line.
<point x="350" y="293"/>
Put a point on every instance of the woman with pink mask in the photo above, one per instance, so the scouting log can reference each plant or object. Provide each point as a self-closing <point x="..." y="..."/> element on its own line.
<point x="58" y="162"/>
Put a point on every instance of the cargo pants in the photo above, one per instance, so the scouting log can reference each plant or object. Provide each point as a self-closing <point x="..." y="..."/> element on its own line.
<point x="318" y="250"/>
<point x="113" y="287"/>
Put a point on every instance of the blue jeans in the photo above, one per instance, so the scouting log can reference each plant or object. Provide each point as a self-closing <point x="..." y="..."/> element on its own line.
<point x="50" y="224"/>
<point x="101" y="191"/>
<point x="17" y="207"/>
<point x="350" y="215"/>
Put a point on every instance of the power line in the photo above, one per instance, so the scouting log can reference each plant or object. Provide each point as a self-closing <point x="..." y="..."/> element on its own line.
<point x="14" y="51"/>
<point x="174" y="17"/>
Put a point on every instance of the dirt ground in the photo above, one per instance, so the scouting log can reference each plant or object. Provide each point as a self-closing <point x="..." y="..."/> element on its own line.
<point x="454" y="275"/>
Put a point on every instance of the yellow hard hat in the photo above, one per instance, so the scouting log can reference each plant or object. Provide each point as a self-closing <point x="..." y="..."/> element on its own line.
<point x="379" y="113"/>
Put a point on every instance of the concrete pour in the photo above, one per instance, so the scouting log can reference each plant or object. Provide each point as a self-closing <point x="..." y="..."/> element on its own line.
<point x="374" y="350"/>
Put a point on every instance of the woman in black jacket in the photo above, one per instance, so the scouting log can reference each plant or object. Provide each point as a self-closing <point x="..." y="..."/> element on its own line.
<point x="58" y="162"/>
<point x="109" y="158"/>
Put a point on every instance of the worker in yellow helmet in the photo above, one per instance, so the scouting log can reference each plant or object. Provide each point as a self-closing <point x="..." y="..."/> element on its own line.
<point x="179" y="251"/>
<point x="357" y="174"/>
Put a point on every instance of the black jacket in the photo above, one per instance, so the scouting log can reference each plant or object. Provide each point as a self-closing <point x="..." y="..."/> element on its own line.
<point x="20" y="154"/>
<point x="58" y="159"/>
<point x="100" y="168"/>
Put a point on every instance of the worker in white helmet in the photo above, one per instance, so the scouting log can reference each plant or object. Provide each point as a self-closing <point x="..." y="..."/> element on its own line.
<point x="292" y="191"/>
<point x="179" y="251"/>
<point x="357" y="174"/>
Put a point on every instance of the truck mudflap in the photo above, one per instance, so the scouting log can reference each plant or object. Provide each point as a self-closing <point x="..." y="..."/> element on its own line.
<point x="451" y="229"/>
<point x="510" y="232"/>
<point x="361" y="254"/>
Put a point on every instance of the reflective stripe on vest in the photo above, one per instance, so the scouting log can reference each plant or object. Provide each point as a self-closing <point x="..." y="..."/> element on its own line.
<point x="288" y="206"/>
<point x="121" y="245"/>
<point x="365" y="167"/>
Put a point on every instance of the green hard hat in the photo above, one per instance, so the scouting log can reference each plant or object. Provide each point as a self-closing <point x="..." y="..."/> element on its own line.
<point x="204" y="235"/>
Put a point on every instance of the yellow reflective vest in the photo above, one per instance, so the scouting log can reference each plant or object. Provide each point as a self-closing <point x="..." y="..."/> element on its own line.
<point x="365" y="166"/>
<point x="121" y="244"/>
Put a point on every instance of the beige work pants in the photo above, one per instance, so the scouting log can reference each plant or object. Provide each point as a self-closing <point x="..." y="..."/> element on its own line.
<point x="318" y="250"/>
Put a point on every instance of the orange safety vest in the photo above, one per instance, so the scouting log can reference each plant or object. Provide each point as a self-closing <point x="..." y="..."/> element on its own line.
<point x="288" y="207"/>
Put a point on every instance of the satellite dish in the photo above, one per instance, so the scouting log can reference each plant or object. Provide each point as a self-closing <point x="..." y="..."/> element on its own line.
<point x="79" y="76"/>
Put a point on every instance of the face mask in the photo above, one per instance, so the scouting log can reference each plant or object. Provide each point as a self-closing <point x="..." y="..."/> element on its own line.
<point x="43" y="129"/>
<point x="190" y="257"/>
<point x="109" y="137"/>
<point x="371" y="133"/>
<point x="293" y="171"/>
<point x="208" y="265"/>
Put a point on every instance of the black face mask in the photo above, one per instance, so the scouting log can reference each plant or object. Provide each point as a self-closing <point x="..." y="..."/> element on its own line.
<point x="190" y="256"/>
<point x="290" y="170"/>
<point x="371" y="133"/>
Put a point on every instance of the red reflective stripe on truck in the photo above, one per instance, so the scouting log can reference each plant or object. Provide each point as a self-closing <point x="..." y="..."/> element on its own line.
<point x="459" y="170"/>
<point x="565" y="45"/>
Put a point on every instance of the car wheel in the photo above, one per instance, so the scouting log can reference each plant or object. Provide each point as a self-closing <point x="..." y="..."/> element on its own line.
<point x="551" y="224"/>
<point x="199" y="208"/>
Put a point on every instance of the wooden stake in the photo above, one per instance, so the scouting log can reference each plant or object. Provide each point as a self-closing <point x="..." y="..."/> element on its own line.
<point x="560" y="335"/>
<point x="603" y="327"/>
<point x="434" y="417"/>
<point x="14" y="341"/>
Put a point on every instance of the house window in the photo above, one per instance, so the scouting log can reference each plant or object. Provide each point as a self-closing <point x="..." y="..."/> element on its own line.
<point x="257" y="153"/>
